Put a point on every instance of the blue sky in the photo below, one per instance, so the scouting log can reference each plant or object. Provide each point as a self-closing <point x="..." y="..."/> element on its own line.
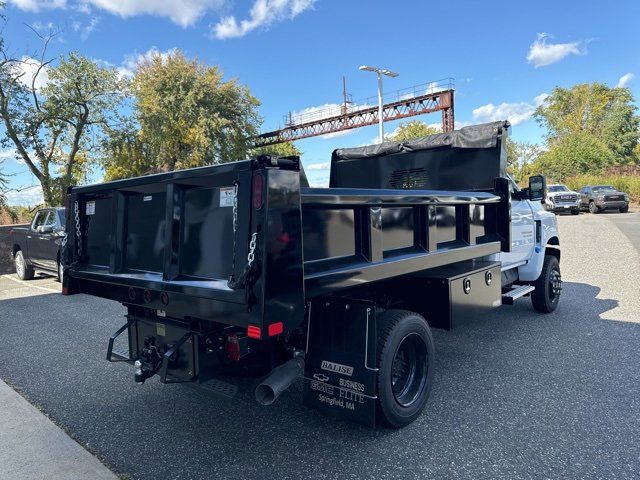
<point x="293" y="53"/>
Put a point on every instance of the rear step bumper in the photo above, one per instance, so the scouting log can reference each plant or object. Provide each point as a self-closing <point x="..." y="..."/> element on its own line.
<point x="512" y="295"/>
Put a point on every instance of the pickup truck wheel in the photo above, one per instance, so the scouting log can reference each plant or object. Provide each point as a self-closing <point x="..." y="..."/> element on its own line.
<point x="24" y="271"/>
<point x="592" y="207"/>
<point x="575" y="211"/>
<point x="624" y="209"/>
<point x="405" y="361"/>
<point x="546" y="296"/>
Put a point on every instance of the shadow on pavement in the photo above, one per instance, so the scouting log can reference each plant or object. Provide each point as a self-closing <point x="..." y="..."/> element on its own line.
<point x="516" y="394"/>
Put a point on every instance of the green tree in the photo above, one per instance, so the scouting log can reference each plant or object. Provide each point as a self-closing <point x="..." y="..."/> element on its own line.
<point x="411" y="130"/>
<point x="285" y="149"/>
<point x="520" y="157"/>
<point x="607" y="114"/>
<point x="186" y="116"/>
<point x="573" y="154"/>
<point x="54" y="125"/>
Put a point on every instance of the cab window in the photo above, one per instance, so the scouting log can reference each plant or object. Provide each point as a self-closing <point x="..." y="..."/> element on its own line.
<point x="51" y="220"/>
<point x="39" y="220"/>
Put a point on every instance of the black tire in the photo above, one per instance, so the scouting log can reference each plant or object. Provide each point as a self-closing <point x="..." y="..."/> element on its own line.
<point x="406" y="356"/>
<point x="546" y="296"/>
<point x="575" y="211"/>
<point x="593" y="208"/>
<point x="624" y="209"/>
<point x="23" y="270"/>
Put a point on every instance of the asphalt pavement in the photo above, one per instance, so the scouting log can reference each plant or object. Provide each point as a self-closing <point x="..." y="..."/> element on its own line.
<point x="516" y="394"/>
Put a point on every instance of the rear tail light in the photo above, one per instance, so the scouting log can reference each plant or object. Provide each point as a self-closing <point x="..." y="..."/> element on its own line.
<point x="254" y="332"/>
<point x="65" y="291"/>
<point x="258" y="187"/>
<point x="233" y="347"/>
<point x="276" y="329"/>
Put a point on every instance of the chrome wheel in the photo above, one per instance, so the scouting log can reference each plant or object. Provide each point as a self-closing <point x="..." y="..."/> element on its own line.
<point x="19" y="262"/>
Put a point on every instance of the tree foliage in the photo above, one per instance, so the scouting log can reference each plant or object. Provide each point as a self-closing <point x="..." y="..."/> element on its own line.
<point x="412" y="130"/>
<point x="54" y="127"/>
<point x="285" y="149"/>
<point x="574" y="154"/>
<point x="521" y="157"/>
<point x="596" y="110"/>
<point x="186" y="115"/>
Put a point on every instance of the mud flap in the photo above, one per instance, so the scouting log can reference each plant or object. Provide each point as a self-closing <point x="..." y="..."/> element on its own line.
<point x="340" y="373"/>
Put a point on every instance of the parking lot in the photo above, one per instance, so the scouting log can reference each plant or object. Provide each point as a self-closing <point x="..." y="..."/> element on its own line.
<point x="516" y="394"/>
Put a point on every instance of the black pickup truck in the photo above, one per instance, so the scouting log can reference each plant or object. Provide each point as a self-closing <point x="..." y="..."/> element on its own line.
<point x="37" y="246"/>
<point x="241" y="268"/>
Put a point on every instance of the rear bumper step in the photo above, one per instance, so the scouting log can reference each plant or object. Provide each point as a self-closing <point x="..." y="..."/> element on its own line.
<point x="512" y="295"/>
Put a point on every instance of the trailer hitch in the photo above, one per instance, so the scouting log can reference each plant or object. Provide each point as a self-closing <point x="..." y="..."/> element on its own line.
<point x="149" y="361"/>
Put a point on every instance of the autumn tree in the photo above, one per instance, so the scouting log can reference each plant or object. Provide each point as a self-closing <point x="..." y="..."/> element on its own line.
<point x="411" y="130"/>
<point x="185" y="115"/>
<point x="53" y="113"/>
<point x="603" y="115"/>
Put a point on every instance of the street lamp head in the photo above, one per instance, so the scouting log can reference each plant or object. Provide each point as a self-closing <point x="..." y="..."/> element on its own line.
<point x="368" y="68"/>
<point x="388" y="73"/>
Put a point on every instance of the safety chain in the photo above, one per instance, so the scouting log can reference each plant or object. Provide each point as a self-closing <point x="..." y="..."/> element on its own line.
<point x="252" y="249"/>
<point x="76" y="214"/>
<point x="235" y="208"/>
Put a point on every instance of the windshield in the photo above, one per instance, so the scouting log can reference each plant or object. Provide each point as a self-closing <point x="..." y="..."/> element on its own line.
<point x="602" y="188"/>
<point x="558" y="188"/>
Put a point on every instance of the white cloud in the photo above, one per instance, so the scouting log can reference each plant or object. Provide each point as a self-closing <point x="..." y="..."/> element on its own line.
<point x="184" y="12"/>
<point x="319" y="166"/>
<point x="38" y="5"/>
<point x="625" y="80"/>
<point x="543" y="53"/>
<point x="28" y="67"/>
<point x="87" y="29"/>
<point x="262" y="14"/>
<point x="132" y="60"/>
<point x="27" y="197"/>
<point x="514" y="112"/>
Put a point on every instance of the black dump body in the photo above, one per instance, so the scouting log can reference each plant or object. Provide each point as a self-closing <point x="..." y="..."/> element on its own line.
<point x="217" y="263"/>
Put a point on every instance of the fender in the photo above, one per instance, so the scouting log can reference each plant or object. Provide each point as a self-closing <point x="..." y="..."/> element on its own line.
<point x="547" y="241"/>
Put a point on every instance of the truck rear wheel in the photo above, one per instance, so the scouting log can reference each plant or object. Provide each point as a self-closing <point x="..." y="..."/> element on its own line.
<point x="546" y="296"/>
<point x="24" y="271"/>
<point x="405" y="360"/>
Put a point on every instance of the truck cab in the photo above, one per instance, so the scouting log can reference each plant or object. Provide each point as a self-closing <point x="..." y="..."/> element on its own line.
<point x="37" y="246"/>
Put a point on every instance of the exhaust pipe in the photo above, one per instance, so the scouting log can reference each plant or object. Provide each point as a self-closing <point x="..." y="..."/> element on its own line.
<point x="279" y="380"/>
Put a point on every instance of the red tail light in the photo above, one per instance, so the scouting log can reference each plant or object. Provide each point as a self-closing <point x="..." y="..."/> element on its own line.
<point x="233" y="347"/>
<point x="276" y="329"/>
<point x="254" y="332"/>
<point x="258" y="187"/>
<point x="65" y="291"/>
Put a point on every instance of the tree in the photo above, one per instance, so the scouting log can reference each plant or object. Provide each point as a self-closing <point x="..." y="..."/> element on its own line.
<point x="54" y="125"/>
<point x="573" y="154"/>
<point x="186" y="116"/>
<point x="520" y="156"/>
<point x="607" y="114"/>
<point x="285" y="149"/>
<point x="411" y="130"/>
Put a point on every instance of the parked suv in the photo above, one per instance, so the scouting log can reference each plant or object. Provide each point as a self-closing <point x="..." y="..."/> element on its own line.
<point x="561" y="199"/>
<point x="598" y="198"/>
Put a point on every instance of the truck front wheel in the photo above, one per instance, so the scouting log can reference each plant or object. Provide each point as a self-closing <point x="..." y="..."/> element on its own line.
<point x="24" y="271"/>
<point x="405" y="361"/>
<point x="548" y="286"/>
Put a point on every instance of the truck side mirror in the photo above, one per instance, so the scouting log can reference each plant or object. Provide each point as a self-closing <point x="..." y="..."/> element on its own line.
<point x="45" y="229"/>
<point x="537" y="187"/>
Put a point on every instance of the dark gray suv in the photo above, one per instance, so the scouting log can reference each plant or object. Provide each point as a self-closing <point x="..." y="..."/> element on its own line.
<point x="597" y="198"/>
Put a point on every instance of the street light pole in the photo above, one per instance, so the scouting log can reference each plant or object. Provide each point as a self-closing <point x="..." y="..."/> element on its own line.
<point x="380" y="120"/>
<point x="379" y="72"/>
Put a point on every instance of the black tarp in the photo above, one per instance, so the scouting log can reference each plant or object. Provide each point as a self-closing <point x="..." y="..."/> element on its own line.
<point x="466" y="159"/>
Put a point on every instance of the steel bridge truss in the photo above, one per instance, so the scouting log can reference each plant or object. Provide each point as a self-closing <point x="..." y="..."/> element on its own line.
<point x="404" y="108"/>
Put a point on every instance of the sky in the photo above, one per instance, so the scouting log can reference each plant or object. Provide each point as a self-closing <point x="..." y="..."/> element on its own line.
<point x="292" y="54"/>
